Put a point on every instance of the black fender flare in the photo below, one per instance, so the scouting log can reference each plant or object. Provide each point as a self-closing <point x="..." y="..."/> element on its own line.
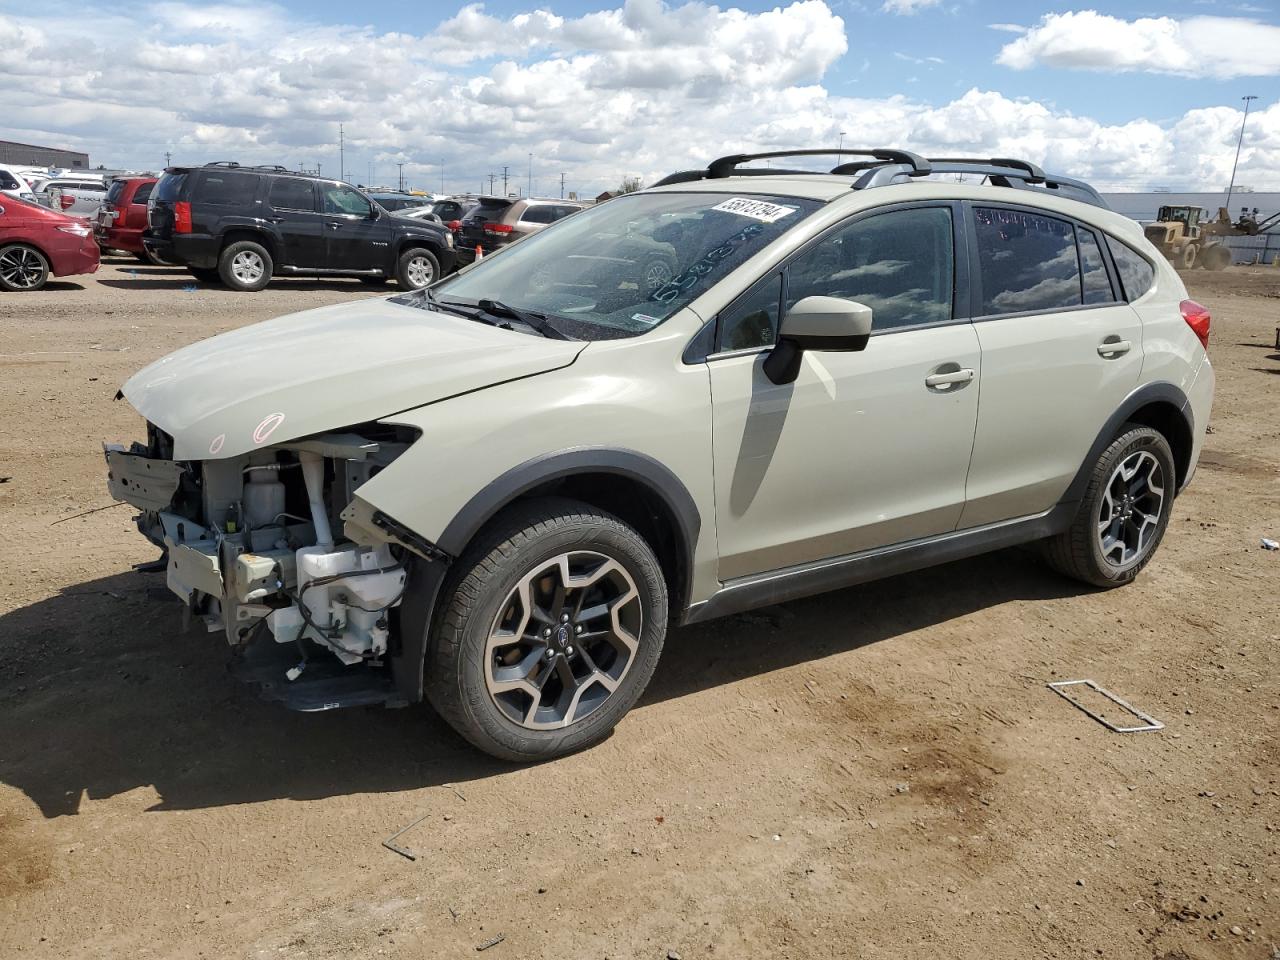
<point x="565" y="463"/>
<point x="1158" y="391"/>
<point x="427" y="577"/>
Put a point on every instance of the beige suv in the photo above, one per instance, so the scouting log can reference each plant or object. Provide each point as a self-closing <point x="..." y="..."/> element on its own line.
<point x="499" y="492"/>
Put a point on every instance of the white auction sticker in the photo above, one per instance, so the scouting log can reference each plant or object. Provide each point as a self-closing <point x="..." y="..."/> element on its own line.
<point x="760" y="210"/>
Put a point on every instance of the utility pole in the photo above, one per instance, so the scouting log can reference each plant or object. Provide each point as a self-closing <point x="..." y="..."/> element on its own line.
<point x="401" y="166"/>
<point x="1239" y="141"/>
<point x="492" y="177"/>
<point x="442" y="174"/>
<point x="504" y="181"/>
<point x="369" y="182"/>
<point x="841" y="146"/>
<point x="530" y="174"/>
<point x="167" y="158"/>
<point x="562" y="186"/>
<point x="342" y="155"/>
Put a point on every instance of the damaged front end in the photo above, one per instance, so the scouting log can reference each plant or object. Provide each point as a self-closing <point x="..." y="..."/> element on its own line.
<point x="250" y="548"/>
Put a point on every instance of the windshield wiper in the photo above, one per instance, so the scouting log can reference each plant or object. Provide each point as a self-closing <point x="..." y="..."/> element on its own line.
<point x="538" y="321"/>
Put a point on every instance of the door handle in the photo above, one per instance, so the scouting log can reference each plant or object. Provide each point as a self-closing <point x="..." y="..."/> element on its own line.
<point x="949" y="378"/>
<point x="1113" y="347"/>
<point x="333" y="225"/>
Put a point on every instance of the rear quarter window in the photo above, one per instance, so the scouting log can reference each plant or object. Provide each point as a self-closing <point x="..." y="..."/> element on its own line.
<point x="228" y="188"/>
<point x="143" y="193"/>
<point x="1136" y="273"/>
<point x="170" y="187"/>
<point x="114" y="191"/>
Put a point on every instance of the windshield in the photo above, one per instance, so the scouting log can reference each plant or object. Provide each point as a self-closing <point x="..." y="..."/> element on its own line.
<point x="621" y="268"/>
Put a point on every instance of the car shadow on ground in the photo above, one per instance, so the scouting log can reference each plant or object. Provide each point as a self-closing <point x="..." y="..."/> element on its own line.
<point x="103" y="693"/>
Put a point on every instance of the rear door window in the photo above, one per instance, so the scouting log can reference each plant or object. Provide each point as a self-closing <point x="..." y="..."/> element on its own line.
<point x="115" y="190"/>
<point x="1027" y="262"/>
<point x="227" y="188"/>
<point x="290" y="193"/>
<point x="1136" y="274"/>
<point x="143" y="193"/>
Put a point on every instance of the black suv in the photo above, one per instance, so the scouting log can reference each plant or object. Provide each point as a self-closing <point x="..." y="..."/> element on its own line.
<point x="243" y="225"/>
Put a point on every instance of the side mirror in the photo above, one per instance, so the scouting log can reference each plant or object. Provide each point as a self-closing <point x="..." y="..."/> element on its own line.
<point x="817" y="323"/>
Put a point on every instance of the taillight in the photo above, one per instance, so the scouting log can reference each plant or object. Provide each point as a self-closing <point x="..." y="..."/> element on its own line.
<point x="454" y="224"/>
<point x="498" y="229"/>
<point x="182" y="217"/>
<point x="1198" y="320"/>
<point x="65" y="201"/>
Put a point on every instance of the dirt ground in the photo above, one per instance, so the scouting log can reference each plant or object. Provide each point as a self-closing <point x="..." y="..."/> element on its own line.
<point x="879" y="773"/>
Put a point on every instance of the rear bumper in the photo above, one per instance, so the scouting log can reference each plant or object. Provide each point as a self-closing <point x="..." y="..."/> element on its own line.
<point x="78" y="257"/>
<point x="189" y="249"/>
<point x="119" y="238"/>
<point x="1200" y="400"/>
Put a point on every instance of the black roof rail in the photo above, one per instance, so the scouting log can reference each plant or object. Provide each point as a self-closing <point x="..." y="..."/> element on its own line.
<point x="232" y="165"/>
<point x="727" y="166"/>
<point x="893" y="166"/>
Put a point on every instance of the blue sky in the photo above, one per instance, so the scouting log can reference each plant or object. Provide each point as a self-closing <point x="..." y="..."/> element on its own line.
<point x="1130" y="95"/>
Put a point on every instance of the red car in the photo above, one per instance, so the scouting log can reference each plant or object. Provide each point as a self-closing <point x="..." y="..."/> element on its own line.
<point x="36" y="242"/>
<point x="123" y="216"/>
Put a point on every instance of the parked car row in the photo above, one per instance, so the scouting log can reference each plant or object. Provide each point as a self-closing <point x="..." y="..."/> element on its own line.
<point x="243" y="225"/>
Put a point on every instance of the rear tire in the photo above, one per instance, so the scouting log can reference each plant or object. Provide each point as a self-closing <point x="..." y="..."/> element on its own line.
<point x="550" y="627"/>
<point x="23" y="268"/>
<point x="417" y="268"/>
<point x="1123" y="514"/>
<point x="245" y="265"/>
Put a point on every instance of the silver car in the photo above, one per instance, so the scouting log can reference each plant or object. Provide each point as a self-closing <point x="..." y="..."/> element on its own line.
<point x="76" y="196"/>
<point x="500" y="492"/>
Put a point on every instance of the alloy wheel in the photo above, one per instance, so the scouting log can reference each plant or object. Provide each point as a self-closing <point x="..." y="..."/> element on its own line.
<point x="1132" y="502"/>
<point x="419" y="271"/>
<point x="247" y="267"/>
<point x="21" y="268"/>
<point x="563" y="640"/>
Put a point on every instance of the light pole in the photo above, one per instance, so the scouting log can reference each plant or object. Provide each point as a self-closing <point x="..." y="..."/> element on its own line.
<point x="530" y="175"/>
<point x="1239" y="141"/>
<point x="841" y="147"/>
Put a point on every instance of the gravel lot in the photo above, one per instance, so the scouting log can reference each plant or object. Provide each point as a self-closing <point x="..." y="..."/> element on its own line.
<point x="878" y="773"/>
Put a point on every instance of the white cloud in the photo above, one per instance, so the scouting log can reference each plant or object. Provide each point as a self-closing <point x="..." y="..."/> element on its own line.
<point x="906" y="8"/>
<point x="642" y="89"/>
<point x="1007" y="27"/>
<point x="1218" y="47"/>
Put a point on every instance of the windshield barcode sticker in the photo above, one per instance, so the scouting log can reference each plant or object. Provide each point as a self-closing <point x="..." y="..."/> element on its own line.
<point x="760" y="210"/>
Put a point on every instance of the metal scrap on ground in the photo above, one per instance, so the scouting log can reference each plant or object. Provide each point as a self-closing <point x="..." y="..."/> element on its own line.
<point x="1150" y="724"/>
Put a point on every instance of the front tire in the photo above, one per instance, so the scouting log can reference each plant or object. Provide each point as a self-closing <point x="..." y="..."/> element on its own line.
<point x="1124" y="512"/>
<point x="551" y="626"/>
<point x="417" y="268"/>
<point x="245" y="265"/>
<point x="22" y="268"/>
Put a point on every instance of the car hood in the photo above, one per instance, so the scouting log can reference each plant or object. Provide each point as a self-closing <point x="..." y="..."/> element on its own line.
<point x="326" y="369"/>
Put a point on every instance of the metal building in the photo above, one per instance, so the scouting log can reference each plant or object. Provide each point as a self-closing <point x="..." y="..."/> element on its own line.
<point x="30" y="155"/>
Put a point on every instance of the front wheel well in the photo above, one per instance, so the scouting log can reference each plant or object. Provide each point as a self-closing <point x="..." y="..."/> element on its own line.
<point x="1172" y="425"/>
<point x="637" y="505"/>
